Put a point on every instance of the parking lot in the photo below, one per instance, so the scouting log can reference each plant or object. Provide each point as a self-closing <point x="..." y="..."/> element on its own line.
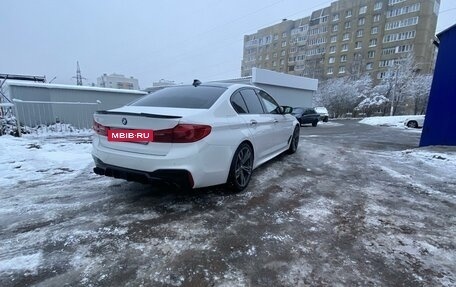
<point x="357" y="205"/>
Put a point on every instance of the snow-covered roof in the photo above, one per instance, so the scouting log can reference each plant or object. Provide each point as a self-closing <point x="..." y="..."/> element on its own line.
<point x="71" y="87"/>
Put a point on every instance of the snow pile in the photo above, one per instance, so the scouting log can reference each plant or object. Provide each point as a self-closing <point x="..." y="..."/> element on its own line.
<point x="26" y="159"/>
<point x="8" y="126"/>
<point x="58" y="129"/>
<point x="394" y="121"/>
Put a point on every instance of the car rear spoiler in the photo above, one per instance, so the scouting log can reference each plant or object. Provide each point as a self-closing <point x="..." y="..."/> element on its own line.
<point x="137" y="114"/>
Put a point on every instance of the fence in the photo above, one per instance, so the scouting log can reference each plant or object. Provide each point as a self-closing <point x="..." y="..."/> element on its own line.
<point x="42" y="116"/>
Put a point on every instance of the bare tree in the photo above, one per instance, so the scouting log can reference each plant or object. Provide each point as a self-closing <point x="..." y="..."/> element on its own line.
<point x="417" y="90"/>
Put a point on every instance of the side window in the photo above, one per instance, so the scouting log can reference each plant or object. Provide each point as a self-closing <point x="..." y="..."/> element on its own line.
<point x="308" y="112"/>
<point x="238" y="103"/>
<point x="269" y="103"/>
<point x="252" y="101"/>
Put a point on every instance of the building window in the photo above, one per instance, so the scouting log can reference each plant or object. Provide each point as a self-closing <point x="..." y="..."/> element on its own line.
<point x="399" y="36"/>
<point x="389" y="51"/>
<point x="403" y="10"/>
<point x="274" y="55"/>
<point x="358" y="45"/>
<point x="276" y="37"/>
<point x="346" y="37"/>
<point x="359" y="33"/>
<point x="341" y="69"/>
<point x="371" y="54"/>
<point x="404" y="48"/>
<point x="392" y="2"/>
<point x="267" y="57"/>
<point x="330" y="70"/>
<point x="282" y="53"/>
<point x="401" y="23"/>
<point x="284" y="34"/>
<point x="378" y="6"/>
<point x="336" y="17"/>
<point x="331" y="60"/>
<point x="284" y="43"/>
<point x="369" y="66"/>
<point x="348" y="13"/>
<point x="376" y="18"/>
<point x="282" y="62"/>
<point x="361" y="21"/>
<point x="332" y="49"/>
<point x="347" y="25"/>
<point x="362" y="10"/>
<point x="374" y="30"/>
<point x="344" y="48"/>
<point x="333" y="39"/>
<point x="274" y="63"/>
<point x="335" y="28"/>
<point x="343" y="58"/>
<point x="373" y="42"/>
<point x="386" y="63"/>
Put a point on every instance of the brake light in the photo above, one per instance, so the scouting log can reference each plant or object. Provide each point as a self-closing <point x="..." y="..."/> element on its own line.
<point x="182" y="133"/>
<point x="100" y="129"/>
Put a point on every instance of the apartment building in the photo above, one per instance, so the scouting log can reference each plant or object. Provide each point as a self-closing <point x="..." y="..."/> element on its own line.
<point x="117" y="81"/>
<point x="350" y="37"/>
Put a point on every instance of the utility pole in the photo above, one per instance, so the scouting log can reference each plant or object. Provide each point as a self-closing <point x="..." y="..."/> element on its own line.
<point x="78" y="76"/>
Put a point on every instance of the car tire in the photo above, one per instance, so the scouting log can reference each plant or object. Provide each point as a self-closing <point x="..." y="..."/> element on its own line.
<point x="412" y="124"/>
<point x="294" y="141"/>
<point x="241" y="168"/>
<point x="325" y="119"/>
<point x="314" y="123"/>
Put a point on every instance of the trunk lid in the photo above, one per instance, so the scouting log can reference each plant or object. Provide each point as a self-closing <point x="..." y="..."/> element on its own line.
<point x="144" y="118"/>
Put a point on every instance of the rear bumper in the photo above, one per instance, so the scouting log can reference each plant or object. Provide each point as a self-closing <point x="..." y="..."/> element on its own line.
<point x="207" y="164"/>
<point x="182" y="178"/>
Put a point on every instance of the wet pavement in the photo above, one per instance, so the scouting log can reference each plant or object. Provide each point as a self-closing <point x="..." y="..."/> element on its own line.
<point x="352" y="207"/>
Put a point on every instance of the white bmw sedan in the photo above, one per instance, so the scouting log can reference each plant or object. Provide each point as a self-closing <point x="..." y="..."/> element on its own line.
<point x="194" y="135"/>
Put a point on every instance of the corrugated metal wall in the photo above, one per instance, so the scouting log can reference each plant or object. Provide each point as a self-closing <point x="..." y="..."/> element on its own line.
<point x="79" y="116"/>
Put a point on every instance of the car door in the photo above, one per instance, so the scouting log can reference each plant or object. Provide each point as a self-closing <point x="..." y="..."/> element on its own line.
<point x="283" y="127"/>
<point x="308" y="116"/>
<point x="260" y="124"/>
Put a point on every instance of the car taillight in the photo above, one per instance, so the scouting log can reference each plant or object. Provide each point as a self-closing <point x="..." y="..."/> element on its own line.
<point x="100" y="129"/>
<point x="182" y="133"/>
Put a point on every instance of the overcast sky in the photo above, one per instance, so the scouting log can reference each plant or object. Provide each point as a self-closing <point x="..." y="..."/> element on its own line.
<point x="149" y="40"/>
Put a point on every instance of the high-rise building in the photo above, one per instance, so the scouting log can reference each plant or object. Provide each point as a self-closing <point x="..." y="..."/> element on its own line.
<point x="350" y="37"/>
<point x="118" y="81"/>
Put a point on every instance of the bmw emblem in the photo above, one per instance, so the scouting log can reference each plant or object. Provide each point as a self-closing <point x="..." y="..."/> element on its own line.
<point x="124" y="121"/>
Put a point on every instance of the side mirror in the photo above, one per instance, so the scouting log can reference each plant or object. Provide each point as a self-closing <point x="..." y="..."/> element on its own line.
<point x="287" y="110"/>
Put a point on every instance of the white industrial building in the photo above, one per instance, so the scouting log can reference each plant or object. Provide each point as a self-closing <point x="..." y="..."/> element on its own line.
<point x="287" y="90"/>
<point x="117" y="81"/>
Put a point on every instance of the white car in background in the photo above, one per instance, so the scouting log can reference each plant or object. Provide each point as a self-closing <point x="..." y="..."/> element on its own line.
<point x="203" y="135"/>
<point x="324" y="115"/>
<point x="414" y="121"/>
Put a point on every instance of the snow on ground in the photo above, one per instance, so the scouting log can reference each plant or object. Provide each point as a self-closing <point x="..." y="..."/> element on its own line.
<point x="329" y="124"/>
<point x="31" y="158"/>
<point x="394" y="121"/>
<point x="331" y="214"/>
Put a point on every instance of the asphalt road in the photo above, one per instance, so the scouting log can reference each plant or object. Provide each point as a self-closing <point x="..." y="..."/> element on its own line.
<point x="340" y="212"/>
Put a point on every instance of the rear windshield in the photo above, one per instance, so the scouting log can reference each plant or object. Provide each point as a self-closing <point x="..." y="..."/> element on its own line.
<point x="190" y="97"/>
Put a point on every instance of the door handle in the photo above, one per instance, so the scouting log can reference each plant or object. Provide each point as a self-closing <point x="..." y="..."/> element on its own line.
<point x="253" y="122"/>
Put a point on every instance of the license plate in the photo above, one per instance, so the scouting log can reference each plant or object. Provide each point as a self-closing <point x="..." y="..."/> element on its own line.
<point x="137" y="136"/>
